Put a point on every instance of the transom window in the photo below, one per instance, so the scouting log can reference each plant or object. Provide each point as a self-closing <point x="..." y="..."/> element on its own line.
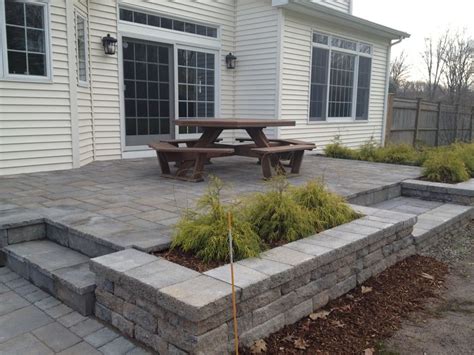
<point x="168" y="23"/>
<point x="81" y="49"/>
<point x="340" y="78"/>
<point x="25" y="50"/>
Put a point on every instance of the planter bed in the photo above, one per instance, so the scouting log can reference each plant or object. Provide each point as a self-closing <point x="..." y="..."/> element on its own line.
<point x="174" y="309"/>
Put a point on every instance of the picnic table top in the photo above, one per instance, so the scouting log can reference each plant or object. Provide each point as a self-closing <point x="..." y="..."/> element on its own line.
<point x="233" y="123"/>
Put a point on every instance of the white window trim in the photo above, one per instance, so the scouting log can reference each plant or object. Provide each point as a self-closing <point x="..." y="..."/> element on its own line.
<point x="4" y="74"/>
<point x="357" y="54"/>
<point x="82" y="83"/>
<point x="149" y="11"/>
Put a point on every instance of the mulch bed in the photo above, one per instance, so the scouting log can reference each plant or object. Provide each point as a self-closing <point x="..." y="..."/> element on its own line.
<point x="357" y="322"/>
<point x="188" y="260"/>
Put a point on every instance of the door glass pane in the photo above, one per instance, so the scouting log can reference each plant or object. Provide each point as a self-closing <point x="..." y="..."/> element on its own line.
<point x="147" y="90"/>
<point x="196" y="91"/>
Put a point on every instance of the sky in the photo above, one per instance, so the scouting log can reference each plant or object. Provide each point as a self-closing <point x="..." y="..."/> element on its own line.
<point x="420" y="18"/>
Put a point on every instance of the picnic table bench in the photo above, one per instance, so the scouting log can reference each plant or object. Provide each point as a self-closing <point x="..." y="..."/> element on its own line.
<point x="197" y="151"/>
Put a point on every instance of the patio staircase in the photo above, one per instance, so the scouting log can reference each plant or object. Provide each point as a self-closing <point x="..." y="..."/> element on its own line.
<point x="62" y="272"/>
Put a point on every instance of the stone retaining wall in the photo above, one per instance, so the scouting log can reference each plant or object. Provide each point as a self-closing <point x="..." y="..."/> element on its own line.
<point x="176" y="310"/>
<point x="462" y="193"/>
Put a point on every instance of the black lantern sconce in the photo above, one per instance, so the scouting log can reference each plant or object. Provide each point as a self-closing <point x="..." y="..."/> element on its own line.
<point x="110" y="44"/>
<point x="230" y="61"/>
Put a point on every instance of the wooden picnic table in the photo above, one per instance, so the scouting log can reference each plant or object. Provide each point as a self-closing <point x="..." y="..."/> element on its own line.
<point x="197" y="152"/>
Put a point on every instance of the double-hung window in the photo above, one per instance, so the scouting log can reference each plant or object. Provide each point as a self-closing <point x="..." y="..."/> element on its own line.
<point x="81" y="39"/>
<point x="24" y="42"/>
<point x="340" y="79"/>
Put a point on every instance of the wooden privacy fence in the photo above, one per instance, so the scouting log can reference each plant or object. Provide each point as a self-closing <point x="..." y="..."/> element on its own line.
<point x="414" y="121"/>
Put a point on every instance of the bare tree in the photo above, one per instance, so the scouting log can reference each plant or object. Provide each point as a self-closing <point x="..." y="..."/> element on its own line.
<point x="399" y="70"/>
<point x="433" y="58"/>
<point x="458" y="74"/>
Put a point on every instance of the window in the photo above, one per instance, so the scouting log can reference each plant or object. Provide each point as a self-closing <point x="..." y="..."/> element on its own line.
<point x="196" y="86"/>
<point x="340" y="78"/>
<point x="81" y="38"/>
<point x="169" y="23"/>
<point x="25" y="52"/>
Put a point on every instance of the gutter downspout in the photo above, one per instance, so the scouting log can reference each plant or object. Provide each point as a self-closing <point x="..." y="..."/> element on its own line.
<point x="387" y="86"/>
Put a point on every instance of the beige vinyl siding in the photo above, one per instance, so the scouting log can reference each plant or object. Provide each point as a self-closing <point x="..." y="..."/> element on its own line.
<point x="104" y="83"/>
<point x="296" y="66"/>
<point x="35" y="121"/>
<point x="342" y="5"/>
<point x="256" y="48"/>
<point x="84" y="101"/>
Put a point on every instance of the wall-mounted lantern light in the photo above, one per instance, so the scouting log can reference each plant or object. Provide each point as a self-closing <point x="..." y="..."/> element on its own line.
<point x="230" y="61"/>
<point x="110" y="44"/>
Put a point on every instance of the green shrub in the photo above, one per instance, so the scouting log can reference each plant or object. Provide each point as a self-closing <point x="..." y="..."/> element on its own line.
<point x="368" y="150"/>
<point x="205" y="233"/>
<point x="397" y="154"/>
<point x="337" y="150"/>
<point x="327" y="209"/>
<point x="275" y="216"/>
<point x="445" y="166"/>
<point x="466" y="154"/>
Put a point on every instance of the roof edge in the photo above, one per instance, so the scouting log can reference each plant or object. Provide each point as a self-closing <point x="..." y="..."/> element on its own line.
<point x="318" y="10"/>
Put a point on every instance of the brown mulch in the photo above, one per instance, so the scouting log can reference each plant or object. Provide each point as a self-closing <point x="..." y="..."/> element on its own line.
<point x="188" y="260"/>
<point x="358" y="321"/>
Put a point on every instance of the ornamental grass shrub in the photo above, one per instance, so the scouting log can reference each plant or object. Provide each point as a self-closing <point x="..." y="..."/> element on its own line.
<point x="204" y="233"/>
<point x="327" y="209"/>
<point x="276" y="216"/>
<point x="445" y="166"/>
<point x="337" y="150"/>
<point x="397" y="154"/>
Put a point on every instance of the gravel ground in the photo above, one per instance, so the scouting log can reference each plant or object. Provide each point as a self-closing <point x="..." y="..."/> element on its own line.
<point x="446" y="326"/>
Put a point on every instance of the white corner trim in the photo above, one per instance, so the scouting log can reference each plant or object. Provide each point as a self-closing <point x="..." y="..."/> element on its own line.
<point x="71" y="55"/>
<point x="280" y="52"/>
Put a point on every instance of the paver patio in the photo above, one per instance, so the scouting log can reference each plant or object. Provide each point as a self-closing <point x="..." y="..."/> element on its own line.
<point x="127" y="201"/>
<point x="32" y="322"/>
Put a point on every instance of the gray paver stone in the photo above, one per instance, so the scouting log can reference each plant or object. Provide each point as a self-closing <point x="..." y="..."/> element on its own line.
<point x="82" y="348"/>
<point x="24" y="344"/>
<point x="56" y="336"/>
<point x="117" y="346"/>
<point x="10" y="302"/>
<point x="21" y="321"/>
<point x="58" y="311"/>
<point x="101" y="337"/>
<point x="86" y="327"/>
<point x="71" y="319"/>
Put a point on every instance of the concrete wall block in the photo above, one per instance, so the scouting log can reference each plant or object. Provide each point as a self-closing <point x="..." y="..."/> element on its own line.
<point x="373" y="257"/>
<point x="84" y="304"/>
<point x="124" y="293"/>
<point x="295" y="283"/>
<point x="139" y="316"/>
<point x="262" y="330"/>
<point x="122" y="324"/>
<point x="320" y="300"/>
<point x="364" y="275"/>
<point x="327" y="281"/>
<point x="173" y="350"/>
<point x="259" y="301"/>
<point x="279" y="306"/>
<point x="57" y="234"/>
<point x="21" y="267"/>
<point x="244" y="324"/>
<point x="3" y="238"/>
<point x="154" y="309"/>
<point x="307" y="291"/>
<point x="103" y="313"/>
<point x="26" y="233"/>
<point x="342" y="287"/>
<point x="41" y="279"/>
<point x="109" y="300"/>
<point x="377" y="245"/>
<point x="299" y="311"/>
<point x="213" y="342"/>
<point x="387" y="250"/>
<point x="151" y="340"/>
<point x="104" y="284"/>
<point x="88" y="246"/>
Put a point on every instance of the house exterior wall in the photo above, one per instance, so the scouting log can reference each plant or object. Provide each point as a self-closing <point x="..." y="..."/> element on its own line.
<point x="341" y="5"/>
<point x="295" y="85"/>
<point x="35" y="119"/>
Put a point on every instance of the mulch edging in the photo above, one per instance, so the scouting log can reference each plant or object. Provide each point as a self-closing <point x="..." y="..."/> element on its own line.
<point x="359" y="320"/>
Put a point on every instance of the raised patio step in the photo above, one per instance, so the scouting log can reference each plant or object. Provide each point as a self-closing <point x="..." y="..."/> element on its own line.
<point x="60" y="271"/>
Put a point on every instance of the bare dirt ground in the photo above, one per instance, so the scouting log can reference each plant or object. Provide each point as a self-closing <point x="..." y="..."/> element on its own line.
<point x="446" y="325"/>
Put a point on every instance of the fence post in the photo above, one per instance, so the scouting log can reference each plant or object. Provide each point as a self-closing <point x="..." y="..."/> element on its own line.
<point x="438" y="124"/>
<point x="472" y="124"/>
<point x="417" y="120"/>
<point x="389" y="122"/>
<point x="456" y="119"/>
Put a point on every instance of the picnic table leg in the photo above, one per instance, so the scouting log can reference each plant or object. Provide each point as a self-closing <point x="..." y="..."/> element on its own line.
<point x="199" y="167"/>
<point x="266" y="166"/>
<point x="262" y="141"/>
<point x="296" y="161"/>
<point x="163" y="161"/>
